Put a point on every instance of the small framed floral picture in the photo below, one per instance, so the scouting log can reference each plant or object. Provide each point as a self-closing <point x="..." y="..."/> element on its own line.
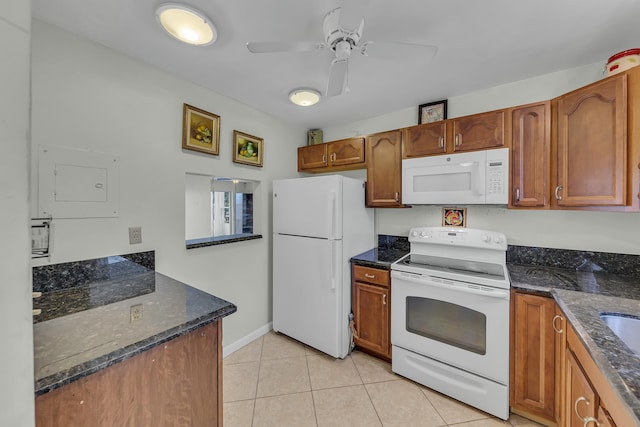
<point x="432" y="112"/>
<point x="247" y="149"/>
<point x="200" y="130"/>
<point x="454" y="217"/>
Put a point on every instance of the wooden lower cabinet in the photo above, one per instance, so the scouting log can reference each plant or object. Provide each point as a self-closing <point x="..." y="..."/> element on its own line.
<point x="533" y="357"/>
<point x="177" y="383"/>
<point x="371" y="304"/>
<point x="589" y="398"/>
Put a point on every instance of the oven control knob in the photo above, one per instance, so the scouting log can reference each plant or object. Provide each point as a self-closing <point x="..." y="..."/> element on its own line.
<point x="498" y="239"/>
<point x="486" y="238"/>
<point x="414" y="233"/>
<point x="423" y="234"/>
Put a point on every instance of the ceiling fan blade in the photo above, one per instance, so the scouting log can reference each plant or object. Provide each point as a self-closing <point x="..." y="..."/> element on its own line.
<point x="398" y="50"/>
<point x="352" y="13"/>
<point x="337" y="77"/>
<point x="270" y="47"/>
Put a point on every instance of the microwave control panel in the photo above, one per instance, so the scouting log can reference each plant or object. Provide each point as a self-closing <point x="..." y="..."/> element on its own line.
<point x="497" y="171"/>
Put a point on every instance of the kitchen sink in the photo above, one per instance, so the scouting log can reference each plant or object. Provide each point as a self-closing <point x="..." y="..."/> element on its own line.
<point x="627" y="328"/>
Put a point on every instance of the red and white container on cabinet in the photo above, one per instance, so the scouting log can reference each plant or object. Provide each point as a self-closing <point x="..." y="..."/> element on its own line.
<point x="622" y="61"/>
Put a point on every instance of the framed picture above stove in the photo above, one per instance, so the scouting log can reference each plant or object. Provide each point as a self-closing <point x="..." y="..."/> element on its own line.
<point x="454" y="217"/>
<point x="432" y="112"/>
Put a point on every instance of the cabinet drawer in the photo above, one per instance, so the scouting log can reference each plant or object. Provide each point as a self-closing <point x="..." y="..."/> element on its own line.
<point x="371" y="275"/>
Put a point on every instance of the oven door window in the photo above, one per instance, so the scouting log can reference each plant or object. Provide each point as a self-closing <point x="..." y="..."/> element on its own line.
<point x="448" y="323"/>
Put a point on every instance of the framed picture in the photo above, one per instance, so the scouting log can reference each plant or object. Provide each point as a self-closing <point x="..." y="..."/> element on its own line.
<point x="454" y="217"/>
<point x="432" y="112"/>
<point x="200" y="130"/>
<point x="247" y="149"/>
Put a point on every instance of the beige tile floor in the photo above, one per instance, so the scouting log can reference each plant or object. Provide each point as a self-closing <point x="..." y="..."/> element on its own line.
<point x="277" y="381"/>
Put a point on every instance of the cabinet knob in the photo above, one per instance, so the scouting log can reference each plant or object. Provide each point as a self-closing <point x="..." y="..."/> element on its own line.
<point x="553" y="323"/>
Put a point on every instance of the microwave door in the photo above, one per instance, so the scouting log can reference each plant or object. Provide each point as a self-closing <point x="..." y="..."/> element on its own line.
<point x="442" y="184"/>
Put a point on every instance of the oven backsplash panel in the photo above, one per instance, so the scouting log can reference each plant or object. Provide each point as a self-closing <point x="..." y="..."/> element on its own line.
<point x="583" y="261"/>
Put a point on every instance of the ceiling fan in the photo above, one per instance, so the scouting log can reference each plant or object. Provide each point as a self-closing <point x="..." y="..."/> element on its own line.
<point x="342" y="28"/>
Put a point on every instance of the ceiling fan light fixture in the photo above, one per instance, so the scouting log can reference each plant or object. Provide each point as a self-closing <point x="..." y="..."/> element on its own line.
<point x="304" y="97"/>
<point x="186" y="24"/>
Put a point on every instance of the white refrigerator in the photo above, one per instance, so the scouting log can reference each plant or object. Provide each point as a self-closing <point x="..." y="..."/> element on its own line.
<point x="319" y="223"/>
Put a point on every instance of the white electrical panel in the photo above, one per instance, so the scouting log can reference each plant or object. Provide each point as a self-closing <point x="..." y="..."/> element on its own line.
<point x="75" y="183"/>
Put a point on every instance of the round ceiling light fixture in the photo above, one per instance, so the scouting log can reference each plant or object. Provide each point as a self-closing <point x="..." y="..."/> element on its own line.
<point x="186" y="24"/>
<point x="304" y="97"/>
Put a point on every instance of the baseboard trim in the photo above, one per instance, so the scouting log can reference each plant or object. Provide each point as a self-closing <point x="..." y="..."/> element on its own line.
<point x="235" y="346"/>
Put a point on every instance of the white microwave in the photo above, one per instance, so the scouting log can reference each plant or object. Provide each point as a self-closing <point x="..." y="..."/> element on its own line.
<point x="474" y="178"/>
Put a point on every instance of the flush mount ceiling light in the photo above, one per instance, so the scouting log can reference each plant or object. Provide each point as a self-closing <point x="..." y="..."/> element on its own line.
<point x="186" y="24"/>
<point x="304" y="97"/>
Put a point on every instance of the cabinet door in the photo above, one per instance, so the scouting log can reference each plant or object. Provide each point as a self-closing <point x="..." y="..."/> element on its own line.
<point x="371" y="317"/>
<point x="591" y="145"/>
<point x="424" y="140"/>
<point x="531" y="135"/>
<point x="580" y="396"/>
<point x="312" y="157"/>
<point x="346" y="152"/>
<point x="175" y="383"/>
<point x="533" y="381"/>
<point x="478" y="131"/>
<point x="384" y="169"/>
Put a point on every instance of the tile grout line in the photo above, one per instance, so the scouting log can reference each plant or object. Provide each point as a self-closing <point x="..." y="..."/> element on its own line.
<point x="313" y="400"/>
<point x="253" y="413"/>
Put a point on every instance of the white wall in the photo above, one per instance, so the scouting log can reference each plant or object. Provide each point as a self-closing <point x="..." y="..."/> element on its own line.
<point x="88" y="96"/>
<point x="597" y="231"/>
<point x="16" y="334"/>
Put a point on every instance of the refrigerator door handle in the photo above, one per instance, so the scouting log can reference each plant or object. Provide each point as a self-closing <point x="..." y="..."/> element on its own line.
<point x="332" y="214"/>
<point x="334" y="264"/>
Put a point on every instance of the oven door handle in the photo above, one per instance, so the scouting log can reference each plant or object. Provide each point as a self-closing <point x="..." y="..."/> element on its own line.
<point x="420" y="280"/>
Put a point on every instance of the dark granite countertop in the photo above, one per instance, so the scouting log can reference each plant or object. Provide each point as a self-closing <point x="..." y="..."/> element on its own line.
<point x="379" y="257"/>
<point x="85" y="332"/>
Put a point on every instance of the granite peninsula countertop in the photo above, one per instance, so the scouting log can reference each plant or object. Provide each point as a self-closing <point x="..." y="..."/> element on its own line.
<point x="585" y="285"/>
<point x="84" y="329"/>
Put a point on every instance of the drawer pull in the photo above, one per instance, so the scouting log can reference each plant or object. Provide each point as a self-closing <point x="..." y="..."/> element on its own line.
<point x="575" y="408"/>
<point x="553" y="323"/>
<point x="441" y="141"/>
<point x="384" y="299"/>
<point x="517" y="194"/>
<point x="558" y="189"/>
<point x="369" y="276"/>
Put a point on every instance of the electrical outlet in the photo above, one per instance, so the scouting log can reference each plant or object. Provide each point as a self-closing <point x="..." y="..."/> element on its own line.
<point x="135" y="235"/>
<point x="135" y="313"/>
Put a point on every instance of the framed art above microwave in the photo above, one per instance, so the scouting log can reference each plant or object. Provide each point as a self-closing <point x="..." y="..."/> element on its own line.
<point x="432" y="112"/>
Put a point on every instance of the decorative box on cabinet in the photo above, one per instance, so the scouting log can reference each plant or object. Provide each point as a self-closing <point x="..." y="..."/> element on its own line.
<point x="384" y="169"/>
<point x="345" y="154"/>
<point x="371" y="288"/>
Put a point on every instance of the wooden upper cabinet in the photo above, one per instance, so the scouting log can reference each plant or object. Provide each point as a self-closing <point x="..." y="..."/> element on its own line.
<point x="312" y="157"/>
<point x="424" y="140"/>
<point x="384" y="169"/>
<point x="530" y="155"/>
<point x="347" y="152"/>
<point x="478" y="131"/>
<point x="344" y="154"/>
<point x="592" y="145"/>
